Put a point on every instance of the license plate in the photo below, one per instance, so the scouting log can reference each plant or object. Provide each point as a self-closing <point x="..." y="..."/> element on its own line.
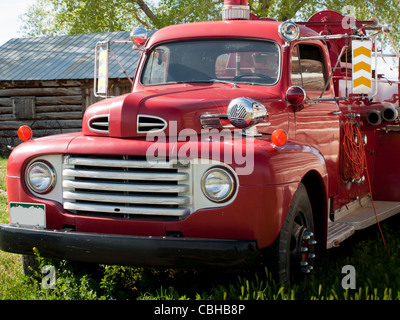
<point x="28" y="214"/>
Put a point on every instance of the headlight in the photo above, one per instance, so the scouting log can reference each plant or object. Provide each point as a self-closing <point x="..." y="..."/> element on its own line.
<point x="217" y="184"/>
<point x="40" y="177"/>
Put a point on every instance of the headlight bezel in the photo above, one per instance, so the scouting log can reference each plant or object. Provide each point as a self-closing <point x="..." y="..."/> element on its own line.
<point x="52" y="176"/>
<point x="230" y="178"/>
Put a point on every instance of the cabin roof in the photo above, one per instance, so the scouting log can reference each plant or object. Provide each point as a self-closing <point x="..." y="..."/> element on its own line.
<point x="63" y="57"/>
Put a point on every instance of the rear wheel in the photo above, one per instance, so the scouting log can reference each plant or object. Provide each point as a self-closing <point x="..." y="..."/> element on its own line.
<point x="293" y="252"/>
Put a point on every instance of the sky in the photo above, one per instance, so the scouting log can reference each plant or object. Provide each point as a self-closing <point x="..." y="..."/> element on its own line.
<point x="9" y="22"/>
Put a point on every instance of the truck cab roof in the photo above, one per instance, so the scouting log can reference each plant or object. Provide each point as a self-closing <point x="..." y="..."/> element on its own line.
<point x="258" y="29"/>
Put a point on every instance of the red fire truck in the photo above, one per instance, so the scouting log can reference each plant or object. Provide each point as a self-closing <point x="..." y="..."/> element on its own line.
<point x="245" y="141"/>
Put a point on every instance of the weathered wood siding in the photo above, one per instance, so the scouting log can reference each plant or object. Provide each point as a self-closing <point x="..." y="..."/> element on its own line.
<point x="48" y="107"/>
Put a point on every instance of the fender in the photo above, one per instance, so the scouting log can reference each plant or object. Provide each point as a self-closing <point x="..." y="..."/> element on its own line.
<point x="288" y="166"/>
<point x="22" y="154"/>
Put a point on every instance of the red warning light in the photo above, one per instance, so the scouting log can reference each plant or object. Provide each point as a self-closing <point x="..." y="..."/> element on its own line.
<point x="279" y="137"/>
<point x="295" y="95"/>
<point x="25" y="133"/>
<point x="236" y="2"/>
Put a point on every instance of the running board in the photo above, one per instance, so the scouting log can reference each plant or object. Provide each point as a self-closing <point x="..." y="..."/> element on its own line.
<point x="356" y="216"/>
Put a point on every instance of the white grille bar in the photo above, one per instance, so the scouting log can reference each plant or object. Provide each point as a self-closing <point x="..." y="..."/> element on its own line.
<point x="126" y="185"/>
<point x="125" y="175"/>
<point x="111" y="163"/>
<point x="126" y="198"/>
<point x="127" y="210"/>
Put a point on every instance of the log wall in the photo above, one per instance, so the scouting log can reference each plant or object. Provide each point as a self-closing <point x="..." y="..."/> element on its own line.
<point x="48" y="107"/>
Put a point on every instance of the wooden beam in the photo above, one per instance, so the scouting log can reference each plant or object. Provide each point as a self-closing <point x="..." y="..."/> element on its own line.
<point x="41" y="124"/>
<point x="5" y="101"/>
<point x="58" y="115"/>
<point x="42" y="101"/>
<point x="35" y="83"/>
<point x="58" y="108"/>
<point x="56" y="91"/>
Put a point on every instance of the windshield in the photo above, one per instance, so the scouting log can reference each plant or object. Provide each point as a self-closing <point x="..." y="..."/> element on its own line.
<point x="235" y="61"/>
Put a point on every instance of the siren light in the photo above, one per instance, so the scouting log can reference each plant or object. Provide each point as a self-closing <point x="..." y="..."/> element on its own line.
<point x="235" y="10"/>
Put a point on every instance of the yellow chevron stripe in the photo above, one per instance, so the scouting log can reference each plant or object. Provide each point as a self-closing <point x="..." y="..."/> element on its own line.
<point x="361" y="50"/>
<point x="362" y="80"/>
<point x="362" y="66"/>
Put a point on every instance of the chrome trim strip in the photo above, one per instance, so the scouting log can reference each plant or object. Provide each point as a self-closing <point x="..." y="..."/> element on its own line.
<point x="129" y="199"/>
<point x="101" y="124"/>
<point x="159" y="126"/>
<point x="178" y="212"/>
<point x="142" y="164"/>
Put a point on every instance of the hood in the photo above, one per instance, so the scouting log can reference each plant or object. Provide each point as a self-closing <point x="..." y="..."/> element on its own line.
<point x="173" y="109"/>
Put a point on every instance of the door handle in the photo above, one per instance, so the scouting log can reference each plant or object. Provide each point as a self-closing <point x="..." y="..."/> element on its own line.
<point x="337" y="112"/>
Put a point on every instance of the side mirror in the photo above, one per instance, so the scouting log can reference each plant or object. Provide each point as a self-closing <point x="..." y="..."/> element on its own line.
<point x="101" y="67"/>
<point x="139" y="36"/>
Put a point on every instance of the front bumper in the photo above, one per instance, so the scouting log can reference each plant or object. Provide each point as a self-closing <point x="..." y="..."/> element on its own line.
<point x="168" y="252"/>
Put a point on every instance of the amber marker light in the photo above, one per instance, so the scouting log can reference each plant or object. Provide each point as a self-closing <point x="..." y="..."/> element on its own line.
<point x="25" y="133"/>
<point x="279" y="137"/>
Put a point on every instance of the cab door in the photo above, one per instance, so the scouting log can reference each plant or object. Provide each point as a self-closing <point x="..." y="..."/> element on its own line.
<point x="316" y="122"/>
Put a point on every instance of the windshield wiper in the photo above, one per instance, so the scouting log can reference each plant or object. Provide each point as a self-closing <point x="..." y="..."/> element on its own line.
<point x="207" y="81"/>
<point x="224" y="81"/>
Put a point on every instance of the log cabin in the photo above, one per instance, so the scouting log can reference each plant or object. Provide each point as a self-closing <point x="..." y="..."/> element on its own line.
<point x="47" y="82"/>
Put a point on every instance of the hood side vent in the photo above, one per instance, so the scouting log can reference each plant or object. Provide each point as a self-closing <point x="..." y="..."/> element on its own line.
<point x="147" y="123"/>
<point x="99" y="123"/>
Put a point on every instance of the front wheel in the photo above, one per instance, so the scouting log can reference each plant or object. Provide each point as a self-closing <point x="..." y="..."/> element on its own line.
<point x="292" y="254"/>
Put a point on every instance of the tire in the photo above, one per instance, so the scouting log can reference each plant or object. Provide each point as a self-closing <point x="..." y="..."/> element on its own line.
<point x="292" y="254"/>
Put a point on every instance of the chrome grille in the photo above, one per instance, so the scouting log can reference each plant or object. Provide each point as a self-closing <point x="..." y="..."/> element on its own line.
<point x="125" y="185"/>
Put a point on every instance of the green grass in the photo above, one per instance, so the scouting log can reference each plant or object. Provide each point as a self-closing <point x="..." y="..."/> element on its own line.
<point x="377" y="275"/>
<point x="3" y="167"/>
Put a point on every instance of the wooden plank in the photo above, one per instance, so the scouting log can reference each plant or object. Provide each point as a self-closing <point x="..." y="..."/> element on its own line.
<point x="41" y="124"/>
<point x="33" y="84"/>
<point x="6" y="110"/>
<point x="58" y="115"/>
<point x="8" y="116"/>
<point x="42" y="101"/>
<point x="5" y="102"/>
<point x="58" y="108"/>
<point x="36" y="133"/>
<point x="13" y="125"/>
<point x="55" y="91"/>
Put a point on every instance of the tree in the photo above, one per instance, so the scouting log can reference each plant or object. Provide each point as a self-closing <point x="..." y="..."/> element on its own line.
<point x="50" y="17"/>
<point x="39" y="20"/>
